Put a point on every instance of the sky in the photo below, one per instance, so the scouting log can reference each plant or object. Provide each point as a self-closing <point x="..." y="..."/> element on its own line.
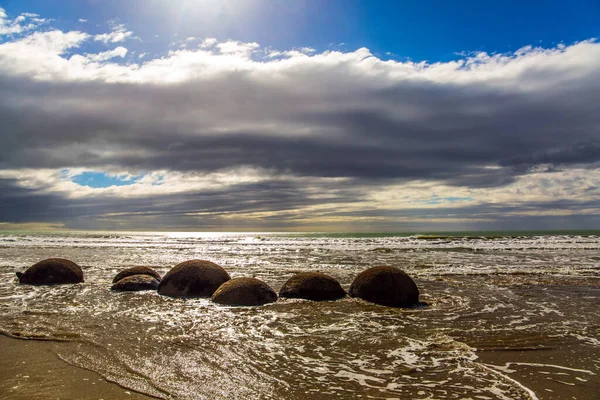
<point x="299" y="115"/>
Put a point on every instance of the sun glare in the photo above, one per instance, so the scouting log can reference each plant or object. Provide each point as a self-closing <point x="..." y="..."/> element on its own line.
<point x="211" y="14"/>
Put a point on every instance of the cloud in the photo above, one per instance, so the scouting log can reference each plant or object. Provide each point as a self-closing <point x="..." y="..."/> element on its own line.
<point x="118" y="34"/>
<point x="232" y="132"/>
<point x="237" y="49"/>
<point x="208" y="42"/>
<point x="107" y="55"/>
<point x="23" y="23"/>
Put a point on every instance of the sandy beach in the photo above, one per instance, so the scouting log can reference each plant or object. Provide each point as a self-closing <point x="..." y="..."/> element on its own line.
<point x="30" y="369"/>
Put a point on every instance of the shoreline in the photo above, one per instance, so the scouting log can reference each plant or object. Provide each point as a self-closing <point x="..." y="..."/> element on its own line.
<point x="31" y="368"/>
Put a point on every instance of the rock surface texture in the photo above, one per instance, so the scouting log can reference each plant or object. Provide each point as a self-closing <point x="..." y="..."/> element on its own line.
<point x="141" y="270"/>
<point x="194" y="278"/>
<point x="244" y="292"/>
<point x="52" y="271"/>
<point x="312" y="286"/>
<point x="386" y="286"/>
<point x="136" y="283"/>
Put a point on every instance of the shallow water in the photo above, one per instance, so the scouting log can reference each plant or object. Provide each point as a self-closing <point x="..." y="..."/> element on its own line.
<point x="509" y="317"/>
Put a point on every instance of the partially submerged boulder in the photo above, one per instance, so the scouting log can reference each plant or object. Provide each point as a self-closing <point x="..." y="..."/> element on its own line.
<point x="194" y="278"/>
<point x="382" y="250"/>
<point x="52" y="271"/>
<point x="141" y="270"/>
<point x="312" y="286"/>
<point x="386" y="286"/>
<point x="136" y="283"/>
<point x="244" y="292"/>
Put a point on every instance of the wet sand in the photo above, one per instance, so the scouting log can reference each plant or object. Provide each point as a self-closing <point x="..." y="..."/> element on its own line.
<point x="543" y="366"/>
<point x="550" y="367"/>
<point x="30" y="369"/>
<point x="543" y="372"/>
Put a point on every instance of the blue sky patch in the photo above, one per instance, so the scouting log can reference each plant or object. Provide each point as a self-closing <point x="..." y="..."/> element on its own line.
<point x="103" y="180"/>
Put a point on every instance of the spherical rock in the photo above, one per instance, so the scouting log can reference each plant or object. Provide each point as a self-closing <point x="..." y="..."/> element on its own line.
<point x="386" y="286"/>
<point x="194" y="278"/>
<point x="52" y="271"/>
<point x="312" y="286"/>
<point x="136" y="283"/>
<point x="244" y="292"/>
<point x="136" y="271"/>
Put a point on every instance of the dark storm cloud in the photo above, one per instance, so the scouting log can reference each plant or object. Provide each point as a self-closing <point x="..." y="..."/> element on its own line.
<point x="193" y="210"/>
<point x="20" y="205"/>
<point x="456" y="133"/>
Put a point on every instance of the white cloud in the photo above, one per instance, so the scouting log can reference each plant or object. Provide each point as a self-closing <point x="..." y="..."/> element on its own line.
<point x="237" y="48"/>
<point x="23" y="23"/>
<point x="274" y="53"/>
<point x="40" y="55"/>
<point x="118" y="34"/>
<point x="522" y="71"/>
<point x="208" y="42"/>
<point x="82" y="20"/>
<point x="303" y="51"/>
<point x="107" y="55"/>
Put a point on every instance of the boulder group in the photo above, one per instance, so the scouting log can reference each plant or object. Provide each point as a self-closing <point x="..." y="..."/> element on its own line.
<point x="383" y="285"/>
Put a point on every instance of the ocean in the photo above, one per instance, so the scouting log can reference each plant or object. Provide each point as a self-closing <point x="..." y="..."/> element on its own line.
<point x="509" y="315"/>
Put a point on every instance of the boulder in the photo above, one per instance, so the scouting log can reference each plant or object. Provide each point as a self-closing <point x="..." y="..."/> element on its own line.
<point x="136" y="283"/>
<point x="52" y="271"/>
<point x="136" y="271"/>
<point x="386" y="286"/>
<point x="382" y="250"/>
<point x="194" y="278"/>
<point x="312" y="286"/>
<point x="244" y="292"/>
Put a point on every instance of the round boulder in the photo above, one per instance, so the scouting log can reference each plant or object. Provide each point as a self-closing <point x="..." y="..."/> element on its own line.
<point x="52" y="271"/>
<point x="136" y="271"/>
<point x="194" y="278"/>
<point x="387" y="286"/>
<point x="312" y="286"/>
<point x="136" y="283"/>
<point x="244" y="292"/>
